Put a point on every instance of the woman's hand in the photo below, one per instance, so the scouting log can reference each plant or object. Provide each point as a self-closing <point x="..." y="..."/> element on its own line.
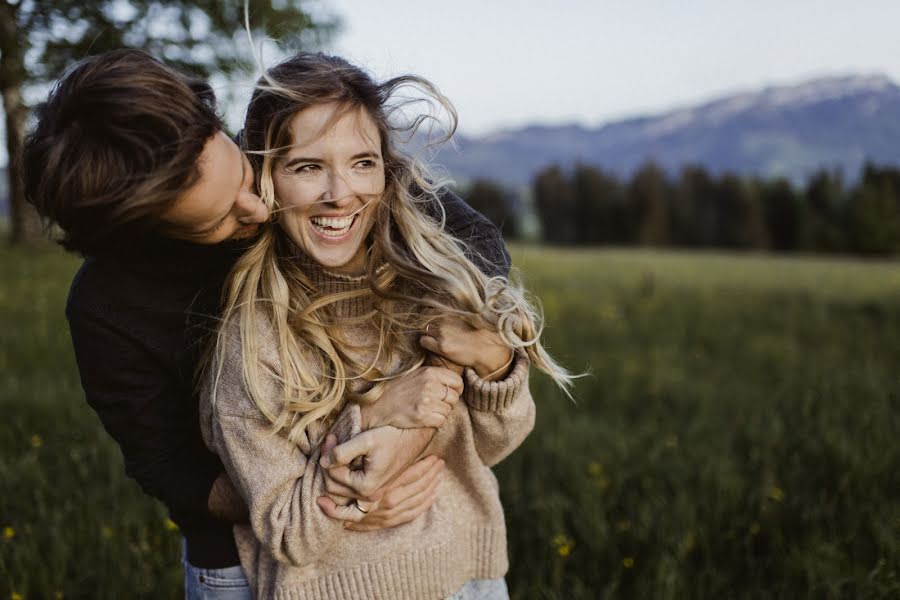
<point x="364" y="466"/>
<point x="404" y="500"/>
<point x="456" y="341"/>
<point x="422" y="398"/>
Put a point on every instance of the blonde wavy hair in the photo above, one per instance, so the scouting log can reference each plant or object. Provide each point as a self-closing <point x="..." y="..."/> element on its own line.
<point x="414" y="268"/>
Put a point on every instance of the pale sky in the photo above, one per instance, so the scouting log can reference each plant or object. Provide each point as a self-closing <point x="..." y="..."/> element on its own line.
<point x="508" y="63"/>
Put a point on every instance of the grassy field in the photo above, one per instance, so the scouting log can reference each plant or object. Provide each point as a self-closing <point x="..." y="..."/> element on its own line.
<point x="736" y="437"/>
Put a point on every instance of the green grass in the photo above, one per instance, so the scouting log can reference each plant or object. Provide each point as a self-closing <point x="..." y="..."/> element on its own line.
<point x="736" y="437"/>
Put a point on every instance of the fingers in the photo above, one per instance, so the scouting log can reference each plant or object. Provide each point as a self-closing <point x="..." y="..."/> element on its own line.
<point x="416" y="471"/>
<point x="431" y="344"/>
<point x="342" y="481"/>
<point x="344" y="454"/>
<point x="339" y="482"/>
<point x="391" y="512"/>
<point x="328" y="445"/>
<point x="350" y="513"/>
<point x="436" y="360"/>
<point x="451" y="397"/>
<point x="413" y="481"/>
<point x="442" y="376"/>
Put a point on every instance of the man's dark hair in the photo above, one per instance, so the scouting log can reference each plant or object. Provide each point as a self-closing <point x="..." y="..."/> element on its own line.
<point x="116" y="143"/>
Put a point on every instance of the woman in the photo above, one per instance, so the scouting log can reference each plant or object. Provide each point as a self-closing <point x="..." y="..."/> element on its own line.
<point x="330" y="315"/>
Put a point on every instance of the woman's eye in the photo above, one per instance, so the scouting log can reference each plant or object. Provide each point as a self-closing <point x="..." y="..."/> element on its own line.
<point x="304" y="169"/>
<point x="365" y="164"/>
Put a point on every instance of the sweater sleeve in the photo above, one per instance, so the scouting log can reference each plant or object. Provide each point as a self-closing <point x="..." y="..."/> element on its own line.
<point x="502" y="412"/>
<point x="279" y="479"/>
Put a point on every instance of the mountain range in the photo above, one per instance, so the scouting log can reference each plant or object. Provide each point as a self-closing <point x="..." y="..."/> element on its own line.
<point x="790" y="131"/>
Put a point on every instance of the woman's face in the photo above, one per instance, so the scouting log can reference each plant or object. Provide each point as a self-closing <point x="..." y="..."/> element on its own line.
<point x="329" y="184"/>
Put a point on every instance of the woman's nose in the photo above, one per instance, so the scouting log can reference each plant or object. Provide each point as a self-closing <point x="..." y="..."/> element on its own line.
<point x="250" y="209"/>
<point x="339" y="192"/>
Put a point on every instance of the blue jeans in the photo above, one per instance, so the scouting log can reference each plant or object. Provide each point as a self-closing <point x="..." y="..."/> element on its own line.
<point x="229" y="583"/>
<point x="482" y="589"/>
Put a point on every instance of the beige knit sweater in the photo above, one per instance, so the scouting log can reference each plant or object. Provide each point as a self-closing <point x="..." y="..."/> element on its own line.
<point x="292" y="551"/>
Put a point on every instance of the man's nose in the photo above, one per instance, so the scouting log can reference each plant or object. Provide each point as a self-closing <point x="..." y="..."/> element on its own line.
<point x="250" y="209"/>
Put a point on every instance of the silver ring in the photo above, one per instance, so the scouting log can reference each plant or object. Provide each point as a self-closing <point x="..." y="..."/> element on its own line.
<point x="426" y="329"/>
<point x="360" y="508"/>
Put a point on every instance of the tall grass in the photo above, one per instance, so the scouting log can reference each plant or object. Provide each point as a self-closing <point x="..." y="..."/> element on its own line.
<point x="737" y="437"/>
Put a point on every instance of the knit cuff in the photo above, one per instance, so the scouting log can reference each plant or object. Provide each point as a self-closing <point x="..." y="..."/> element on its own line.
<point x="493" y="396"/>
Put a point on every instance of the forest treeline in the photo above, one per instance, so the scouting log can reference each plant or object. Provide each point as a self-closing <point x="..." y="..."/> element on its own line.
<point x="587" y="205"/>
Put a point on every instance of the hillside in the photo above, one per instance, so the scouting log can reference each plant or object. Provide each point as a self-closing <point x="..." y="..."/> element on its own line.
<point x="778" y="131"/>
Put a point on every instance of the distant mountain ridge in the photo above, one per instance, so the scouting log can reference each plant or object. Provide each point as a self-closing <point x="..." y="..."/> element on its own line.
<point x="832" y="122"/>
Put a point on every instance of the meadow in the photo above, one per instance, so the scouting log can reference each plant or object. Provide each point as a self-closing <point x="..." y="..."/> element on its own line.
<point x="736" y="437"/>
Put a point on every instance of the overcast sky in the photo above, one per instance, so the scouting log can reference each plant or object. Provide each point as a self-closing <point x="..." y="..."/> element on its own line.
<point x="505" y="63"/>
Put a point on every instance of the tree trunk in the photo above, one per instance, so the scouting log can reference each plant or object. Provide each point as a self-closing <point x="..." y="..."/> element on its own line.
<point x="26" y="225"/>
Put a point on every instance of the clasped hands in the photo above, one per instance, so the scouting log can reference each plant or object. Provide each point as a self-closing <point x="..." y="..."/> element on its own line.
<point x="378" y="468"/>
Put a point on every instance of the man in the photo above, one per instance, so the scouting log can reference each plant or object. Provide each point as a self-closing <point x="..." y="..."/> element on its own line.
<point x="129" y="160"/>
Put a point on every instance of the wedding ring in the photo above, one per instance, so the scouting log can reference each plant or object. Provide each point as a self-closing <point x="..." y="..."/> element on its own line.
<point x="360" y="508"/>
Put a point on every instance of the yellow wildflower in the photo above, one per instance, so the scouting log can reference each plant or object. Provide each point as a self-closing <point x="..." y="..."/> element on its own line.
<point x="8" y="533"/>
<point x="16" y="596"/>
<point x="776" y="494"/>
<point x="595" y="469"/>
<point x="106" y="532"/>
<point x="36" y="441"/>
<point x="564" y="545"/>
<point x="628" y="562"/>
<point x="170" y="525"/>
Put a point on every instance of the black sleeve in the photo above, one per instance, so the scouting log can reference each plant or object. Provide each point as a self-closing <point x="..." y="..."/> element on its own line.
<point x="147" y="411"/>
<point x="485" y="243"/>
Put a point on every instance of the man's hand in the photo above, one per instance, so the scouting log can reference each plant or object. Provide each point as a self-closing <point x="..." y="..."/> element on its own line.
<point x="377" y="456"/>
<point x="225" y="503"/>
<point x="422" y="398"/>
<point x="404" y="500"/>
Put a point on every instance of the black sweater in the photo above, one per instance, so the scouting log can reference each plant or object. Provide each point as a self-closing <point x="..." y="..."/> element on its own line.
<point x="139" y="324"/>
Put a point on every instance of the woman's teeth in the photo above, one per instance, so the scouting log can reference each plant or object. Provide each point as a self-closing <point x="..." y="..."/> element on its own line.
<point x="332" y="226"/>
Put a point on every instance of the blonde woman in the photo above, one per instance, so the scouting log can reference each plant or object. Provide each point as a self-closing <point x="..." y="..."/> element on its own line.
<point x="331" y="320"/>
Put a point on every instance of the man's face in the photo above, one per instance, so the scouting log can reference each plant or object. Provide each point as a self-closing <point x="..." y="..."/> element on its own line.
<point x="220" y="206"/>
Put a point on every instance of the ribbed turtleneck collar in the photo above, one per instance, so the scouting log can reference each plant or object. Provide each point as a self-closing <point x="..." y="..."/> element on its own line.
<point x="329" y="282"/>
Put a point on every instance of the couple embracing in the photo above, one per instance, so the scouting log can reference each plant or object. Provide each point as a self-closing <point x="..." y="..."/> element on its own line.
<point x="305" y="348"/>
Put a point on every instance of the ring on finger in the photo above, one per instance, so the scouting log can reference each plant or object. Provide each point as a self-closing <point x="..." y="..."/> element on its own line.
<point x="360" y="508"/>
<point x="446" y="393"/>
